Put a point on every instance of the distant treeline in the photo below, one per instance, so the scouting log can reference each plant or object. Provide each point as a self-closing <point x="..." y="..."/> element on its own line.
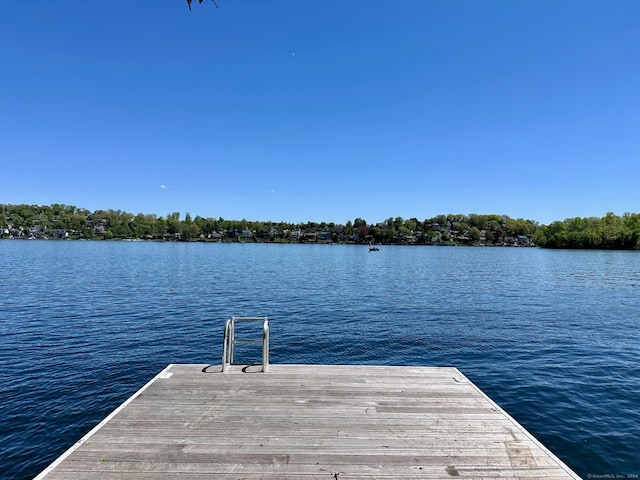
<point x="610" y="232"/>
<point x="67" y="221"/>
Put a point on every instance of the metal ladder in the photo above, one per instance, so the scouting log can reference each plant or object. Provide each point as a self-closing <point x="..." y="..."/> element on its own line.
<point x="230" y="341"/>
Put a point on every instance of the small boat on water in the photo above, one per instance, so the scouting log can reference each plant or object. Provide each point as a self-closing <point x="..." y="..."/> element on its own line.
<point x="373" y="249"/>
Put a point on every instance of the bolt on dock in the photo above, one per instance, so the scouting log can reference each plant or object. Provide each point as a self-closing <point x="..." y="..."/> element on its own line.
<point x="308" y="422"/>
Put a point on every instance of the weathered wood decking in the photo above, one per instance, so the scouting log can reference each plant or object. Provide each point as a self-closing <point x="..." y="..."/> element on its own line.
<point x="311" y="422"/>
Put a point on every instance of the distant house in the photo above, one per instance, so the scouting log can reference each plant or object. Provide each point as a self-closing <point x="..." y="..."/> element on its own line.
<point x="523" y="240"/>
<point x="296" y="234"/>
<point x="246" y="233"/>
<point x="310" y="237"/>
<point x="60" y="233"/>
<point x="463" y="239"/>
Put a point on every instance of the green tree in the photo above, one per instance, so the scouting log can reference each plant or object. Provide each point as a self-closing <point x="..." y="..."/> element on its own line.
<point x="173" y="225"/>
<point x="161" y="227"/>
<point x="410" y="224"/>
<point x="359" y="222"/>
<point x="474" y="234"/>
<point x="442" y="221"/>
<point x="478" y="221"/>
<point x="348" y="230"/>
<point x="143" y="226"/>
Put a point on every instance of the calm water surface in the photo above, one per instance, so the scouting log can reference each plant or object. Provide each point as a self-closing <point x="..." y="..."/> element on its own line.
<point x="552" y="336"/>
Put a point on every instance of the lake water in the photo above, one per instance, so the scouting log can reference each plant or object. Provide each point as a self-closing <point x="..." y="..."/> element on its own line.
<point x="551" y="336"/>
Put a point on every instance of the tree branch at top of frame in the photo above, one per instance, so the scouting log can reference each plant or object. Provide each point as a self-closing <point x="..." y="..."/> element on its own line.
<point x="200" y="1"/>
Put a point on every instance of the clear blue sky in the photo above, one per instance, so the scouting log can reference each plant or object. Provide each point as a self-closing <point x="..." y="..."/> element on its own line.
<point x="301" y="110"/>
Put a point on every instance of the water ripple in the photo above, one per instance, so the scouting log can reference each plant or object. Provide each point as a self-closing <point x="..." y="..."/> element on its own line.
<point x="549" y="335"/>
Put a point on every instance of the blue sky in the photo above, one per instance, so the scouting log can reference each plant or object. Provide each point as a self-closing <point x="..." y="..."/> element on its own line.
<point x="300" y="110"/>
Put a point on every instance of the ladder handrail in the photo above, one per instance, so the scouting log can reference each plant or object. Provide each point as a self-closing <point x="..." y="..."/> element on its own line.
<point x="229" y="341"/>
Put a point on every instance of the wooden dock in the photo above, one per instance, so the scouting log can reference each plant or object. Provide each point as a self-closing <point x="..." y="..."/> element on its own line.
<point x="308" y="422"/>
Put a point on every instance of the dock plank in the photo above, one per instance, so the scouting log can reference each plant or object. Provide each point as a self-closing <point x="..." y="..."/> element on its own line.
<point x="308" y="421"/>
